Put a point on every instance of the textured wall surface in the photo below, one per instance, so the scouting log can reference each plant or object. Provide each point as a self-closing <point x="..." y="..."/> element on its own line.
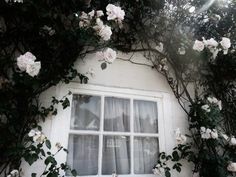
<point x="123" y="74"/>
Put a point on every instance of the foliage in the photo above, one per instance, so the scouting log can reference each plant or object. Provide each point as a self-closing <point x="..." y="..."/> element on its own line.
<point x="164" y="31"/>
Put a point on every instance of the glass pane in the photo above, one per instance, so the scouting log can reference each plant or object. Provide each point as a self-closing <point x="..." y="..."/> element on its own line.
<point x="145" y="154"/>
<point x="117" y="114"/>
<point x="85" y="113"/>
<point x="145" y="116"/>
<point x="116" y="155"/>
<point x="83" y="154"/>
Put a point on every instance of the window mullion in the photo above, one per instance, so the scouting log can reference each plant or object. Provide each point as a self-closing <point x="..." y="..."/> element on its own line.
<point x="101" y="137"/>
<point x="132" y="137"/>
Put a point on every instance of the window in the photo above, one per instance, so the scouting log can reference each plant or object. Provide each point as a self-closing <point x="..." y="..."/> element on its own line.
<point x="112" y="132"/>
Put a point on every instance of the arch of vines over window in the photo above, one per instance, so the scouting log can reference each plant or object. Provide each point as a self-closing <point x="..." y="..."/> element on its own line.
<point x="190" y="42"/>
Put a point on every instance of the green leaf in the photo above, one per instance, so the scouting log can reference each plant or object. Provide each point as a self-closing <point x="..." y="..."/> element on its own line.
<point x="66" y="103"/>
<point x="175" y="156"/>
<point x="104" y="66"/>
<point x="167" y="173"/>
<point x="48" y="144"/>
<point x="73" y="172"/>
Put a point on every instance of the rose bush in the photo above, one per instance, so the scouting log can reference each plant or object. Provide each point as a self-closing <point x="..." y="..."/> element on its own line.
<point x="40" y="41"/>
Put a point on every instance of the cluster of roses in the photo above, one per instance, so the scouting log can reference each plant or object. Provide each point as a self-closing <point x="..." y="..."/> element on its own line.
<point x="207" y="133"/>
<point x="37" y="136"/>
<point x="18" y="1"/>
<point x="27" y="63"/>
<point x="212" y="101"/>
<point x="214" y="46"/>
<point x="93" y="19"/>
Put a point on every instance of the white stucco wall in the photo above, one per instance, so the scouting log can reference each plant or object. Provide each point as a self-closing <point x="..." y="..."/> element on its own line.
<point x="123" y="74"/>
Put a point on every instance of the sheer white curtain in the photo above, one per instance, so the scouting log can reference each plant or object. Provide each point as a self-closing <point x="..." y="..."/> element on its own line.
<point x="116" y="114"/>
<point x="83" y="149"/>
<point x="145" y="149"/>
<point x="83" y="154"/>
<point x="85" y="112"/>
<point x="116" y="149"/>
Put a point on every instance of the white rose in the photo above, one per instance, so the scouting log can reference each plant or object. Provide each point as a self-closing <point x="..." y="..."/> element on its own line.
<point x="91" y="14"/>
<point x="39" y="137"/>
<point x="206" y="108"/>
<point x="214" y="134"/>
<point x="225" y="136"/>
<point x="214" y="52"/>
<point x="31" y="133"/>
<point x="231" y="167"/>
<point x="198" y="46"/>
<point x="109" y="55"/>
<point x="24" y="60"/>
<point x="115" y="12"/>
<point x="33" y="68"/>
<point x="181" y="139"/>
<point x="181" y="51"/>
<point x="99" y="13"/>
<point x="165" y="68"/>
<point x="213" y="100"/>
<point x="212" y="42"/>
<point x="226" y="44"/>
<point x="14" y="173"/>
<point x="83" y="16"/>
<point x="160" y="47"/>
<point x="105" y="33"/>
<point x="205" y="133"/>
<point x="232" y="141"/>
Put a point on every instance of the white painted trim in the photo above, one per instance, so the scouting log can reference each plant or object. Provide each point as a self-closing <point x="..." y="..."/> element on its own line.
<point x="61" y="123"/>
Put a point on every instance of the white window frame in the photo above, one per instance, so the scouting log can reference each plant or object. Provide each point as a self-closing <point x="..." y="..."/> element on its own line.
<point x="61" y="123"/>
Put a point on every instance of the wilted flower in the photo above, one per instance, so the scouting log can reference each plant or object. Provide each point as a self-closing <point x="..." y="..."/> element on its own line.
<point x="160" y="47"/>
<point x="14" y="173"/>
<point x="181" y="51"/>
<point x="231" y="167"/>
<point x="49" y="30"/>
<point x="214" y="100"/>
<point x="91" y="14"/>
<point x="115" y="12"/>
<point x="206" y="108"/>
<point x="198" y="46"/>
<point x="58" y="145"/>
<point x="84" y="19"/>
<point x="99" y="13"/>
<point x="180" y="139"/>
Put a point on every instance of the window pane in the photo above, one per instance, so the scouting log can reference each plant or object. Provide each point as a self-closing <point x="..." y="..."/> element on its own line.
<point x="116" y="114"/>
<point x="116" y="155"/>
<point x="145" y="116"/>
<point x="145" y="154"/>
<point x="85" y="113"/>
<point x="83" y="154"/>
